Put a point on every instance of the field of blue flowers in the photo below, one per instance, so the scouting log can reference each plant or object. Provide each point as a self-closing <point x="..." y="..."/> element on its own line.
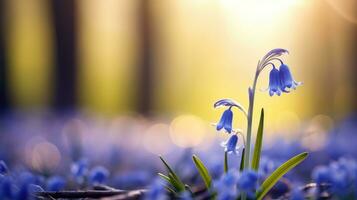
<point x="83" y="157"/>
<point x="80" y="164"/>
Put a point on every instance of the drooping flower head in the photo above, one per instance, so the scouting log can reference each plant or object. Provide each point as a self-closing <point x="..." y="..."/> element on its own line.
<point x="98" y="175"/>
<point x="226" y="121"/>
<point x="227" y="117"/>
<point x="230" y="146"/>
<point x="286" y="79"/>
<point x="274" y="82"/>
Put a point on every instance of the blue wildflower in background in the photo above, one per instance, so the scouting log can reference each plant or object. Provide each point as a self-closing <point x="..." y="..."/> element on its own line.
<point x="6" y="188"/>
<point x="286" y="79"/>
<point x="321" y="174"/>
<point x="56" y="183"/>
<point x="230" y="146"/>
<point x="226" y="186"/>
<point x="186" y="195"/>
<point x="132" y="179"/>
<point x="27" y="192"/>
<point x="341" y="175"/>
<point x="274" y="82"/>
<point x="156" y="191"/>
<point x="248" y="182"/>
<point x="98" y="175"/>
<point x="266" y="167"/>
<point x="3" y="167"/>
<point x="79" y="170"/>
<point x="297" y="194"/>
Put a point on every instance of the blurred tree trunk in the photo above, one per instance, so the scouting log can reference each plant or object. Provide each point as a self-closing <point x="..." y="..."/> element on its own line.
<point x="65" y="40"/>
<point x="4" y="93"/>
<point x="145" y="58"/>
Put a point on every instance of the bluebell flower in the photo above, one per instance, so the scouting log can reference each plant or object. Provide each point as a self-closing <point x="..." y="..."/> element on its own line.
<point x="186" y="195"/>
<point x="248" y="182"/>
<point x="342" y="175"/>
<point x="274" y="82"/>
<point x="230" y="146"/>
<point x="297" y="194"/>
<point x="6" y="188"/>
<point x="79" y="170"/>
<point x="156" y="191"/>
<point x="266" y="167"/>
<point x="98" y="175"/>
<point x="27" y="192"/>
<point x="3" y="167"/>
<point x="56" y="183"/>
<point x="286" y="79"/>
<point x="230" y="179"/>
<point x="226" y="186"/>
<point x="226" y="121"/>
<point x="321" y="174"/>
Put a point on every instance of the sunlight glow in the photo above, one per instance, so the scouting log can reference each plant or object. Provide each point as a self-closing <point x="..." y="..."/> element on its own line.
<point x="187" y="131"/>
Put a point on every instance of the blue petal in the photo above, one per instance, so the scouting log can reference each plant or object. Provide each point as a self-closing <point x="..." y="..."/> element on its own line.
<point x="286" y="79"/>
<point x="232" y="143"/>
<point x="226" y="121"/>
<point x="274" y="82"/>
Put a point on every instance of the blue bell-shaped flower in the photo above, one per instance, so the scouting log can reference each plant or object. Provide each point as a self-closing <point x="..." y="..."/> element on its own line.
<point x="230" y="146"/>
<point x="226" y="121"/>
<point x="274" y="82"/>
<point x="286" y="80"/>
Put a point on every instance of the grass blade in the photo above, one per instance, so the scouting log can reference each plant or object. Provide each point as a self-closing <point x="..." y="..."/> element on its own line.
<point x="180" y="186"/>
<point x="225" y="162"/>
<point x="278" y="173"/>
<point x="258" y="143"/>
<point x="203" y="171"/>
<point x="242" y="160"/>
<point x="166" y="178"/>
<point x="174" y="182"/>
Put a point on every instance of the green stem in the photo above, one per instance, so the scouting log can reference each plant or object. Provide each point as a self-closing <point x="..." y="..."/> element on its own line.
<point x="250" y="121"/>
<point x="225" y="162"/>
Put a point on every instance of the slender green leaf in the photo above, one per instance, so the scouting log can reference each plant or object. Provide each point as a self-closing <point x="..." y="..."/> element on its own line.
<point x="203" y="171"/>
<point x="242" y="160"/>
<point x="171" y="181"/>
<point x="170" y="190"/>
<point x="174" y="176"/>
<point x="258" y="143"/>
<point x="176" y="184"/>
<point x="225" y="162"/>
<point x="166" y="178"/>
<point x="278" y="173"/>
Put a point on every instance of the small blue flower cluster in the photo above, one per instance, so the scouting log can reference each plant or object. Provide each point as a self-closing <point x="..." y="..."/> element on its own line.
<point x="230" y="146"/>
<point x="339" y="176"/>
<point x="81" y="173"/>
<point x="281" y="80"/>
<point x="232" y="183"/>
<point x="20" y="187"/>
<point x="157" y="191"/>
